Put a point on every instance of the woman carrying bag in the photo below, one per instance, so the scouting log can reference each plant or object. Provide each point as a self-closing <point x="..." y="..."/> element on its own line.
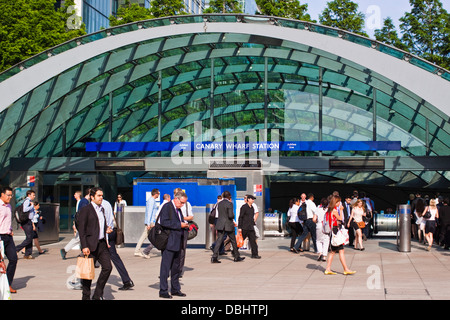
<point x="358" y="212"/>
<point x="335" y="219"/>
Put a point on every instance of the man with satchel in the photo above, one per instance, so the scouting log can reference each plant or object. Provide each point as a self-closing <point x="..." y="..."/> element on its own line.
<point x="171" y="218"/>
<point x="93" y="229"/>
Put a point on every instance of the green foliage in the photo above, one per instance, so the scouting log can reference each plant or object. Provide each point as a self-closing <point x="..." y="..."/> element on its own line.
<point x="165" y="8"/>
<point x="426" y="31"/>
<point x="130" y="13"/>
<point x="343" y="14"/>
<point x="28" y="27"/>
<point x="285" y="9"/>
<point x="224" y="6"/>
<point x="388" y="34"/>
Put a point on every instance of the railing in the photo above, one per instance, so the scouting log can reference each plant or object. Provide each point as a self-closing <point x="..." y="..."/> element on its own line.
<point x="230" y="18"/>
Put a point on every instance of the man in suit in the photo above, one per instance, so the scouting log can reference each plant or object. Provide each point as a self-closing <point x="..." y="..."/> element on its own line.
<point x="347" y="214"/>
<point x="92" y="227"/>
<point x="246" y="224"/>
<point x="170" y="217"/>
<point x="225" y="225"/>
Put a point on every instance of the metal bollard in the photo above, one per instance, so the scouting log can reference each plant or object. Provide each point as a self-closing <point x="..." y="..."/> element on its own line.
<point x="404" y="228"/>
<point x="210" y="232"/>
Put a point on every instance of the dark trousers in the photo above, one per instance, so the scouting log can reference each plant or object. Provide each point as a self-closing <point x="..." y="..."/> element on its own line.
<point x="308" y="226"/>
<point x="296" y="229"/>
<point x="220" y="238"/>
<point x="183" y="250"/>
<point x="115" y="258"/>
<point x="11" y="254"/>
<point x="170" y="262"/>
<point x="251" y="235"/>
<point x="101" y="254"/>
<point x="28" y="242"/>
<point x="445" y="235"/>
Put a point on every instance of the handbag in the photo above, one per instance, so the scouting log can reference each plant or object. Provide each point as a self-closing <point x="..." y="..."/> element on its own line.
<point x="85" y="268"/>
<point x="326" y="229"/>
<point x="239" y="240"/>
<point x="212" y="215"/>
<point x="193" y="230"/>
<point x="120" y="237"/>
<point x="361" y="224"/>
<point x="340" y="237"/>
<point x="158" y="235"/>
<point x="427" y="215"/>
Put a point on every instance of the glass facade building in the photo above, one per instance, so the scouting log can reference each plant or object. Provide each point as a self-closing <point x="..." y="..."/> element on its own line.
<point x="144" y="81"/>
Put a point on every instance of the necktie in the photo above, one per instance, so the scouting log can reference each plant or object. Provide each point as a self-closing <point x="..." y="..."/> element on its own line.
<point x="180" y="215"/>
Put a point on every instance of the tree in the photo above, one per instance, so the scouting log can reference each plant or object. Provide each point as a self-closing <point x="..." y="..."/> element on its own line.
<point x="388" y="34"/>
<point x="343" y="14"/>
<point x="164" y="8"/>
<point x="28" y="27"/>
<point x="426" y="31"/>
<point x="130" y="13"/>
<point x="291" y="9"/>
<point x="223" y="6"/>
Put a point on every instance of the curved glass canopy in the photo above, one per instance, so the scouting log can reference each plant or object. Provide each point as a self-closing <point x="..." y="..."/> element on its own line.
<point x="145" y="90"/>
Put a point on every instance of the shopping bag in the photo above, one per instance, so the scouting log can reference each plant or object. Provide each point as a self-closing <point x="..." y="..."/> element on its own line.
<point x="85" y="268"/>
<point x="340" y="237"/>
<point x="239" y="240"/>
<point x="5" y="293"/>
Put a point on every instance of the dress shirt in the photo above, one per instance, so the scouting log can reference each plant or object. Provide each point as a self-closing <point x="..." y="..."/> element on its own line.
<point x="101" y="219"/>
<point x="5" y="218"/>
<point x="150" y="211"/>
<point x="28" y="207"/>
<point x="186" y="210"/>
<point x="108" y="213"/>
<point x="310" y="208"/>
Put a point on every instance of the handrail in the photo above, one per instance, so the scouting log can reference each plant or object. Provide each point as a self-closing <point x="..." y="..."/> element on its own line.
<point x="229" y="18"/>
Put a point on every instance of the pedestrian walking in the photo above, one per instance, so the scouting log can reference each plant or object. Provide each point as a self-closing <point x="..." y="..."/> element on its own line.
<point x="225" y="226"/>
<point x="246" y="225"/>
<point x="444" y="218"/>
<point x="430" y="223"/>
<point x="309" y="226"/>
<point x="75" y="241"/>
<point x="92" y="226"/>
<point x="335" y="218"/>
<point x="115" y="258"/>
<point x="6" y="234"/>
<point x="322" y="238"/>
<point x="294" y="223"/>
<point x="27" y="226"/>
<point x="151" y="208"/>
<point x="358" y="224"/>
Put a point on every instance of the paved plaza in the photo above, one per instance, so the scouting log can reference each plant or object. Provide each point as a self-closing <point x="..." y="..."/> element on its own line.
<point x="383" y="273"/>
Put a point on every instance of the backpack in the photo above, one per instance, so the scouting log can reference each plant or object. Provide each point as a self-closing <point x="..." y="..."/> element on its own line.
<point x="212" y="215"/>
<point x="20" y="215"/>
<point x="301" y="213"/>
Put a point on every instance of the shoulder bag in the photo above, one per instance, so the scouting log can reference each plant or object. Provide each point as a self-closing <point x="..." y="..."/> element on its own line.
<point x="158" y="235"/>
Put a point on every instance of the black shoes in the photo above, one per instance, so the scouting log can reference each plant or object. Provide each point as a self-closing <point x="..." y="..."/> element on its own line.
<point x="256" y="257"/>
<point x="127" y="285"/>
<point x="168" y="296"/>
<point x="179" y="294"/>
<point x="215" y="260"/>
<point x="239" y="259"/>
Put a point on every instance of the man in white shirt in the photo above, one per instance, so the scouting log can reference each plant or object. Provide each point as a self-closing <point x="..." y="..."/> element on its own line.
<point x="309" y="226"/>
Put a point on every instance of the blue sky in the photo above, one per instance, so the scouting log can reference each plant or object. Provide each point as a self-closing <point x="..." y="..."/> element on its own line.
<point x="375" y="10"/>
